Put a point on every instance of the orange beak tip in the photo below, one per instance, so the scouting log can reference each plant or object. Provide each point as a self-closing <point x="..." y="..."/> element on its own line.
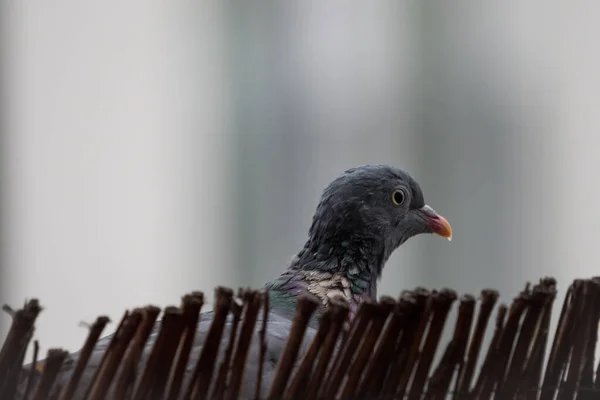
<point x="444" y="228"/>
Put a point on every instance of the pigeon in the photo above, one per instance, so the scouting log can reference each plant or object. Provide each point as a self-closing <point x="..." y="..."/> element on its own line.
<point x="362" y="217"/>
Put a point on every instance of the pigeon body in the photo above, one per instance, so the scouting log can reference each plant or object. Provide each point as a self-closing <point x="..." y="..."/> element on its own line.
<point x="362" y="217"/>
<point x="277" y="333"/>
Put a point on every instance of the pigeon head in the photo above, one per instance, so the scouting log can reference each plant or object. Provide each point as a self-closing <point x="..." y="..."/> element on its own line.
<point x="365" y="214"/>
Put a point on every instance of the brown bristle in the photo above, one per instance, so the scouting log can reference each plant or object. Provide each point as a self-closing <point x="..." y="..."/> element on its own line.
<point x="54" y="361"/>
<point x="199" y="383"/>
<point x="339" y="314"/>
<point x="380" y="313"/>
<point x="191" y="305"/>
<point x="252" y="303"/>
<point x="13" y="350"/>
<point x="299" y="385"/>
<point x="95" y="331"/>
<point x="387" y="350"/>
<point x="346" y="353"/>
<point x="237" y="307"/>
<point x="305" y="308"/>
<point x="126" y="380"/>
<point x="263" y="345"/>
<point x="439" y="383"/>
<point x="113" y="358"/>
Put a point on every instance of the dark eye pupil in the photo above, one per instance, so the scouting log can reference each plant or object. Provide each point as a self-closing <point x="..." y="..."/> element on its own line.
<point x="398" y="197"/>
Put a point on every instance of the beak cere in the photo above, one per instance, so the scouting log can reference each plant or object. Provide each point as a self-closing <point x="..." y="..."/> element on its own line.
<point x="438" y="224"/>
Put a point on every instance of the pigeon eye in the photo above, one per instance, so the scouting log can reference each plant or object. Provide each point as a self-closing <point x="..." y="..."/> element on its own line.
<point x="399" y="196"/>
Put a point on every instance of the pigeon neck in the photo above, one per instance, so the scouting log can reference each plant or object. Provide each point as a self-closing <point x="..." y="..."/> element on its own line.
<point x="347" y="271"/>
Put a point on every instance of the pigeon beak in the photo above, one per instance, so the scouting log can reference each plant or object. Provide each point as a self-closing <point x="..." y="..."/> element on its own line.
<point x="438" y="224"/>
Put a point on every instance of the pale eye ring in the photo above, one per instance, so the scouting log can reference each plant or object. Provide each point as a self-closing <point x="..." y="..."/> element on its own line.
<point x="399" y="197"/>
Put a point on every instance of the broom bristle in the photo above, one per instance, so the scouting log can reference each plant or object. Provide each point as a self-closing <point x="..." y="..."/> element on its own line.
<point x="386" y="352"/>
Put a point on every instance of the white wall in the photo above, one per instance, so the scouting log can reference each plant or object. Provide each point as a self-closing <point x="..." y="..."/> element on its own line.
<point x="156" y="148"/>
<point x="116" y="195"/>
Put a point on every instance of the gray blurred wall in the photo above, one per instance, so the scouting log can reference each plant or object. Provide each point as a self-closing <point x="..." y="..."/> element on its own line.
<point x="156" y="148"/>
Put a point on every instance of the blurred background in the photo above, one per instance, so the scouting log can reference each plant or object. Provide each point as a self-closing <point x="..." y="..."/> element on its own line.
<point x="153" y="148"/>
